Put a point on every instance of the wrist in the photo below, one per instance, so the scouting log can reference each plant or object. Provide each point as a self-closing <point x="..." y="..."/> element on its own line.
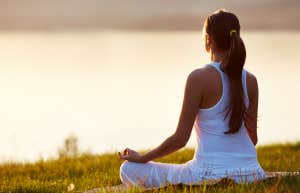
<point x="143" y="159"/>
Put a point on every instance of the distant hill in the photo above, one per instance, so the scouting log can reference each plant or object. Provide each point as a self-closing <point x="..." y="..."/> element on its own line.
<point x="143" y="14"/>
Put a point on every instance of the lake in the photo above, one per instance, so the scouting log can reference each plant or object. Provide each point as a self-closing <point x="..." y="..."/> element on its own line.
<point x="117" y="89"/>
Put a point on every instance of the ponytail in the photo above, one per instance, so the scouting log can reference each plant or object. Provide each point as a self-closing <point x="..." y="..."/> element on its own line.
<point x="224" y="27"/>
<point x="233" y="66"/>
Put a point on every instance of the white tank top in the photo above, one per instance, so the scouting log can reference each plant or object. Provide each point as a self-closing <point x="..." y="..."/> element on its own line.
<point x="214" y="146"/>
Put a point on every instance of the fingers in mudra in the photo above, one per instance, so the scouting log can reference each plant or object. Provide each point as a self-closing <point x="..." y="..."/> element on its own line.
<point x="124" y="154"/>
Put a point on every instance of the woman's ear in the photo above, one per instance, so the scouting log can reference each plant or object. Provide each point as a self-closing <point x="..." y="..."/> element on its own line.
<point x="207" y="42"/>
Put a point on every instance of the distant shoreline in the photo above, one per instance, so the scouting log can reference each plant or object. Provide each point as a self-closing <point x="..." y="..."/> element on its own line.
<point x="144" y="15"/>
<point x="92" y="30"/>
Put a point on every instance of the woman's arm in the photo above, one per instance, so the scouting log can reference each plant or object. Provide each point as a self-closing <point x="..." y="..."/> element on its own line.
<point x="182" y="134"/>
<point x="251" y="114"/>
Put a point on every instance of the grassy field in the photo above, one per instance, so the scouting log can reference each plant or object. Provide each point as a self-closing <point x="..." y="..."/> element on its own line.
<point x="90" y="171"/>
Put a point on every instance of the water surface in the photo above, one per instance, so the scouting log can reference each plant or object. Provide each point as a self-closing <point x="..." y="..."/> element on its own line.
<point x="117" y="89"/>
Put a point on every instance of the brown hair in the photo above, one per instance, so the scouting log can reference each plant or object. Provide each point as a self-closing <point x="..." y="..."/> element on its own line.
<point x="224" y="28"/>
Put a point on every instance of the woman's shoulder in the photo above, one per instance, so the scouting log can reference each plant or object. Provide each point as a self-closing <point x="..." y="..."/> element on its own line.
<point x="202" y="71"/>
<point x="250" y="76"/>
<point x="203" y="74"/>
<point x="250" y="79"/>
<point x="199" y="78"/>
<point x="252" y="85"/>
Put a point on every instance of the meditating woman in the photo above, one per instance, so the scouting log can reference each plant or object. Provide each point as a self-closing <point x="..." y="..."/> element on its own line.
<point x="220" y="102"/>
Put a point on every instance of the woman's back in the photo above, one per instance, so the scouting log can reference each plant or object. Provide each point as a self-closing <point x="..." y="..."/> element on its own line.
<point x="214" y="146"/>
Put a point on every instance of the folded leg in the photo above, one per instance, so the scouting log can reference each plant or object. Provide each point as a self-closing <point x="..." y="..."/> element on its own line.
<point x="153" y="174"/>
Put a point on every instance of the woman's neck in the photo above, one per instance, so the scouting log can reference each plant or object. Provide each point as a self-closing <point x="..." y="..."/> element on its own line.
<point x="218" y="56"/>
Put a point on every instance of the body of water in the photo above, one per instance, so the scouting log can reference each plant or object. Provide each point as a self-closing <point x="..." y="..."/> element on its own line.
<point x="117" y="89"/>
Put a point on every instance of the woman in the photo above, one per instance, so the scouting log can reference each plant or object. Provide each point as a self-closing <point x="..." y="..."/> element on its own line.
<point x="220" y="101"/>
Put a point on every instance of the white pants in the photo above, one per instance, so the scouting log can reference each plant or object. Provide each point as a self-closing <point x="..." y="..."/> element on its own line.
<point x="151" y="174"/>
<point x="155" y="174"/>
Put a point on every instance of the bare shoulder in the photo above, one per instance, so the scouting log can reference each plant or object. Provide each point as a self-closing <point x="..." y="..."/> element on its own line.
<point x="201" y="74"/>
<point x="199" y="78"/>
<point x="252" y="85"/>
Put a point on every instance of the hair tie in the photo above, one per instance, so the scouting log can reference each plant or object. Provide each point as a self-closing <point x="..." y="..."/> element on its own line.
<point x="232" y="31"/>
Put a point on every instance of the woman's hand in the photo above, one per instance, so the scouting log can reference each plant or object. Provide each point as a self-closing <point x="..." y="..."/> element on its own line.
<point x="131" y="155"/>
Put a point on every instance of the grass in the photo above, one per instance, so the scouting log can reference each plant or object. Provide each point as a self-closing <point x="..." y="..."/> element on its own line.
<point x="90" y="171"/>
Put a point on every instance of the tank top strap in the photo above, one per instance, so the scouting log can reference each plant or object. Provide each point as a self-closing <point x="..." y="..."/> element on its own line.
<point x="216" y="65"/>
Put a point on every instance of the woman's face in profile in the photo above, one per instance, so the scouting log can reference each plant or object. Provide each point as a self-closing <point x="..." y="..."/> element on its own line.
<point x="206" y="41"/>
